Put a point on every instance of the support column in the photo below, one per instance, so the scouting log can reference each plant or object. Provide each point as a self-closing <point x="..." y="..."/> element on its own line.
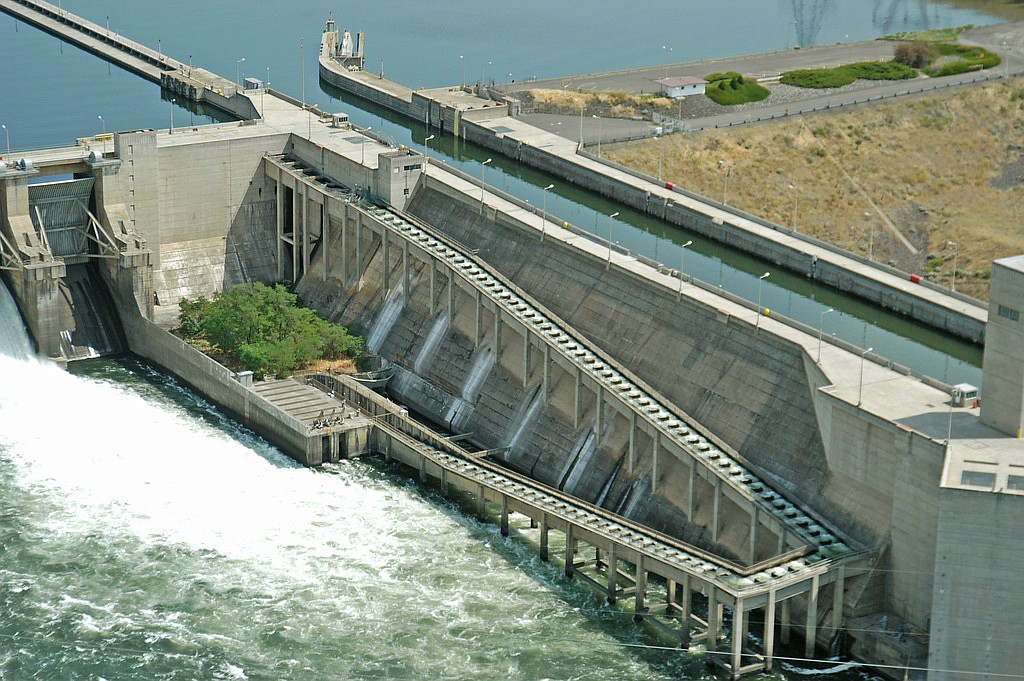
<point x="405" y="269"/>
<point x="386" y="249"/>
<point x="599" y="414"/>
<point x="631" y="457"/>
<point x="785" y="623"/>
<point x="544" y="529"/>
<point x="769" y="632"/>
<point x="305" y="227"/>
<point x="613" y="575"/>
<point x="753" y="532"/>
<point x="691" y="488"/>
<point x="526" y="356"/>
<point x="497" y="333"/>
<point x="325" y="235"/>
<point x="547" y="372"/>
<point x="359" y="250"/>
<point x="478" y="331"/>
<point x="576" y="399"/>
<point x="451" y="299"/>
<point x="504" y="515"/>
<point x="714" y="624"/>
<point x="481" y="507"/>
<point x="685" y="605"/>
<point x="641" y="588"/>
<point x="837" y="600"/>
<point x="568" y="550"/>
<point x="433" y="286"/>
<point x="716" y="509"/>
<point x="811" y="630"/>
<point x="296" y="230"/>
<point x="738" y="630"/>
<point x="654" y="461"/>
<point x="344" y="243"/>
<point x="280" y="224"/>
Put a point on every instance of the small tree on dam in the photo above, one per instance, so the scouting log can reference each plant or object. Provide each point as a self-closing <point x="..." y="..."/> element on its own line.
<point x="263" y="329"/>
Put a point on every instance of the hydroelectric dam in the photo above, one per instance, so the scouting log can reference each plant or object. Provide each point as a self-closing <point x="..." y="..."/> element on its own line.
<point x="767" y="481"/>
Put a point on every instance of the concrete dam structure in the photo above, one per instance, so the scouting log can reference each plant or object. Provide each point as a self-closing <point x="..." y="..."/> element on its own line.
<point x="772" y="484"/>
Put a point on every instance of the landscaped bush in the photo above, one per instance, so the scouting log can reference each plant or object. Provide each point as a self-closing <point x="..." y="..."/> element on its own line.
<point x="915" y="55"/>
<point x="732" y="88"/>
<point x="846" y="74"/>
<point x="970" y="58"/>
<point x="262" y="328"/>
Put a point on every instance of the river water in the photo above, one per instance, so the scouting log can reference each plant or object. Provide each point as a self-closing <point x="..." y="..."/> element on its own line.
<point x="146" y="536"/>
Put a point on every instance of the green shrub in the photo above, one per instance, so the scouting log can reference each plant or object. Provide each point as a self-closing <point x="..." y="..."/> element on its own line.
<point x="818" y="78"/>
<point x="731" y="88"/>
<point x="264" y="330"/>
<point x="971" y="58"/>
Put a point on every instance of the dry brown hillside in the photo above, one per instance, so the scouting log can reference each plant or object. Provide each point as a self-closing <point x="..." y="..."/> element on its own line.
<point x="928" y="169"/>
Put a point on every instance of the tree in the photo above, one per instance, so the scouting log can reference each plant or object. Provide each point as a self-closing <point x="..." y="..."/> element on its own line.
<point x="916" y="55"/>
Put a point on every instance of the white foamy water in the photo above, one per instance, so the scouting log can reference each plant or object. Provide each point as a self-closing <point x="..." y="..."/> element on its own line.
<point x="146" y="539"/>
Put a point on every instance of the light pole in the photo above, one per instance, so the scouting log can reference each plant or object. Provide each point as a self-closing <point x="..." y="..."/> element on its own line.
<point x="796" y="203"/>
<point x="238" y="63"/>
<point x="725" y="185"/>
<point x="309" y="122"/>
<point x="949" y="428"/>
<point x="952" y="278"/>
<point x="582" y="107"/>
<point x="661" y="155"/>
<point x="760" y="280"/>
<point x="668" y="52"/>
<point x="7" y="134"/>
<point x="599" y="134"/>
<point x="103" y="123"/>
<point x="482" y="166"/>
<point x="462" y="63"/>
<point x="610" y="218"/>
<point x="544" y="212"/>
<point x="362" y="147"/>
<point x="170" y="127"/>
<point x="426" y="151"/>
<point x="821" y="325"/>
<point x="682" y="265"/>
<point x="860" y="384"/>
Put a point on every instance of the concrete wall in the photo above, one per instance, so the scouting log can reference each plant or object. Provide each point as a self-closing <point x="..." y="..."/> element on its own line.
<point x="979" y="593"/>
<point x="1003" y="397"/>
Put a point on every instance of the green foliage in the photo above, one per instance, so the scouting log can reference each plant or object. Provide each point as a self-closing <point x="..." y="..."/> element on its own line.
<point x="968" y="58"/>
<point x="731" y="88"/>
<point x="846" y="74"/>
<point x="264" y="330"/>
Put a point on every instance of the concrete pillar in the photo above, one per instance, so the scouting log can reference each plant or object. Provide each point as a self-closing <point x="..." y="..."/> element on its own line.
<point x="641" y="587"/>
<point x="306" y="201"/>
<point x="714" y="624"/>
<point x="837" y="600"/>
<point x="577" y="387"/>
<point x="546" y="382"/>
<point x="296" y="230"/>
<point x="738" y="631"/>
<point x="504" y="515"/>
<point x="568" y="550"/>
<point x="782" y="539"/>
<point x="598" y="415"/>
<point x="753" y="532"/>
<point x="344" y="242"/>
<point x="480" y="502"/>
<point x="613" y="574"/>
<point x="406" y="287"/>
<point x="478" y="330"/>
<point x="811" y="630"/>
<point x="451" y="299"/>
<point x="526" y="356"/>
<point x="359" y="250"/>
<point x="769" y="632"/>
<point x="544" y="529"/>
<point x="497" y="333"/>
<point x="432" y="264"/>
<point x="691" y="487"/>
<point x="325" y="239"/>
<point x="685" y="606"/>
<point x="654" y="461"/>
<point x="717" y="509"/>
<point x="785" y="624"/>
<point x="280" y="224"/>
<point x="631" y="456"/>
<point x="386" y="252"/>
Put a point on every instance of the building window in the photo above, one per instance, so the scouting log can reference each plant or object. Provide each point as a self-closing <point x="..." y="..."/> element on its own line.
<point x="1015" y="482"/>
<point x="978" y="479"/>
<point x="1009" y="313"/>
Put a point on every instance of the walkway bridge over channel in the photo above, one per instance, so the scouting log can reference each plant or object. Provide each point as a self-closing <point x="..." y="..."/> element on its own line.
<point x="761" y="551"/>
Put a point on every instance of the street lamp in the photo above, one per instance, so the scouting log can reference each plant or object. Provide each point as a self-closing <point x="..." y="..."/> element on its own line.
<point x="760" y="280"/>
<point x="426" y="151"/>
<point x="610" y="218"/>
<point x="7" y="134"/>
<point x="821" y="325"/>
<point x="544" y="212"/>
<point x="462" y="63"/>
<point x="599" y="134"/>
<point x="796" y="202"/>
<point x="871" y="236"/>
<point x="103" y="123"/>
<point x="661" y="155"/>
<point x="860" y="385"/>
<point x="952" y="278"/>
<point x="668" y="53"/>
<point x="362" y="147"/>
<point x="309" y="122"/>
<point x="682" y="265"/>
<point x="725" y="185"/>
<point x="482" y="166"/>
<point x="170" y="127"/>
<point x="238" y="62"/>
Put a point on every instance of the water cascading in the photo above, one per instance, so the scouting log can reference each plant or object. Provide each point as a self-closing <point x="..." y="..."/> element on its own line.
<point x="14" y="339"/>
